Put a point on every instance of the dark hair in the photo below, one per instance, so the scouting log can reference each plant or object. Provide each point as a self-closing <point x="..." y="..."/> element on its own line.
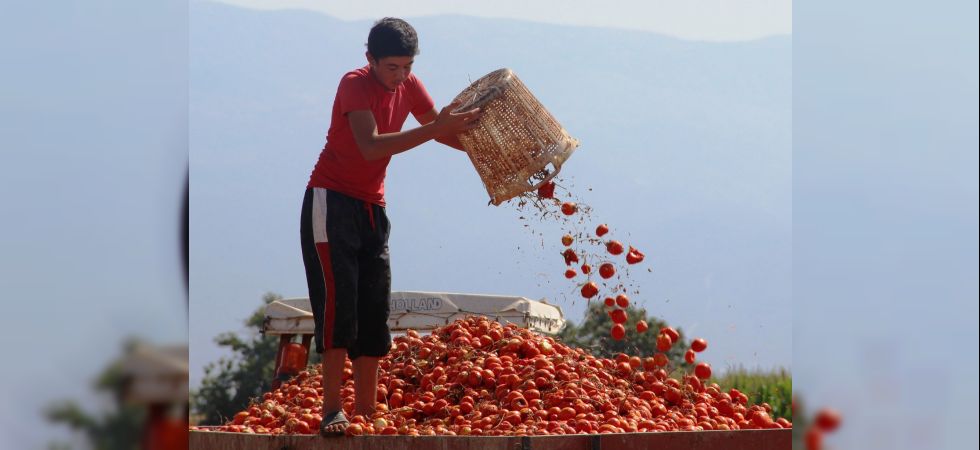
<point x="392" y="37"/>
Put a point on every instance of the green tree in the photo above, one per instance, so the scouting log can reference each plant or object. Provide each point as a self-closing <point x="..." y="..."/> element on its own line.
<point x="230" y="384"/>
<point x="593" y="335"/>
<point x="118" y="427"/>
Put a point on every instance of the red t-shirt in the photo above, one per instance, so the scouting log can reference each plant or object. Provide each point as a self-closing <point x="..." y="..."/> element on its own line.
<point x="341" y="166"/>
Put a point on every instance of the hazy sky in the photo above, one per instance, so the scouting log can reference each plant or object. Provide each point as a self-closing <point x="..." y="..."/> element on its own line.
<point x="715" y="20"/>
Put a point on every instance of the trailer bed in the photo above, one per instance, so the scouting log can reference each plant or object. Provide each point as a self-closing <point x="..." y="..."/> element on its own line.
<point x="778" y="439"/>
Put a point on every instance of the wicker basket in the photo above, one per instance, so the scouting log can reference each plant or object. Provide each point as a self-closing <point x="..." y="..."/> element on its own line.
<point x="516" y="139"/>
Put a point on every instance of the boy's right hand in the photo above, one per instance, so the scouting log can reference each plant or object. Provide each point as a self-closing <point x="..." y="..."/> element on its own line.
<point x="452" y="123"/>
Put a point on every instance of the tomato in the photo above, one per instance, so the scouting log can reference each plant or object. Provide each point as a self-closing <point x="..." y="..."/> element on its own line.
<point x="586" y="269"/>
<point x="475" y="376"/>
<point x="568" y="208"/>
<point x="614" y="247"/>
<point x="590" y="289"/>
<point x="618" y="316"/>
<point x="618" y="333"/>
<point x="699" y="345"/>
<point x="567" y="240"/>
<point x="610" y="302"/>
<point x="607" y="270"/>
<point x="570" y="256"/>
<point x="622" y="301"/>
<point x="547" y="190"/>
<point x="634" y="256"/>
<point x="813" y="439"/>
<point x="641" y="326"/>
<point x="690" y="356"/>
<point x="570" y="273"/>
<point x="827" y="419"/>
<point x="703" y="370"/>
<point x="663" y="342"/>
<point x="649" y="364"/>
<point x="601" y="230"/>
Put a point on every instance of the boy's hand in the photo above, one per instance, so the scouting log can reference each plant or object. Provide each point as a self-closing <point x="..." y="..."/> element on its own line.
<point x="451" y="123"/>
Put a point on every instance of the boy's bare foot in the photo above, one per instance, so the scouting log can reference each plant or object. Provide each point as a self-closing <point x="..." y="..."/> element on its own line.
<point x="333" y="424"/>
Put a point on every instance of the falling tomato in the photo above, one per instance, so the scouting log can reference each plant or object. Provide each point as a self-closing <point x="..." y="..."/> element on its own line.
<point x="601" y="230"/>
<point x="568" y="208"/>
<point x="547" y="190"/>
<point x="618" y="332"/>
<point x="607" y="270"/>
<point x="590" y="289"/>
<point x="614" y="247"/>
<point x="690" y="356"/>
<point x="618" y="316"/>
<point x="634" y="256"/>
<point x="699" y="345"/>
<point x="622" y="301"/>
<point x="702" y="370"/>
<point x="570" y="256"/>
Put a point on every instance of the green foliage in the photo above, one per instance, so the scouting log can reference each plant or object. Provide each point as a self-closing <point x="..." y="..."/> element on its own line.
<point x="117" y="427"/>
<point x="231" y="383"/>
<point x="774" y="387"/>
<point x="593" y="335"/>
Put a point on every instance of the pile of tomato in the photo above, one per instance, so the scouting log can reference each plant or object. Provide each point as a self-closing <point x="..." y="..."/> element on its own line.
<point x="479" y="377"/>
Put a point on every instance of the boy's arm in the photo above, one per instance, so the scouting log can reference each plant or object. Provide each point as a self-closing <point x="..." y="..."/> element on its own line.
<point x="449" y="139"/>
<point x="376" y="146"/>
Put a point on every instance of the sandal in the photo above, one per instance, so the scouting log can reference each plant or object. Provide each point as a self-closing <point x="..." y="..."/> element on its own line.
<point x="332" y="419"/>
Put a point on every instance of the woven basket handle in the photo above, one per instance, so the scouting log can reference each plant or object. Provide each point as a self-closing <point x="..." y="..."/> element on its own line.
<point x="547" y="178"/>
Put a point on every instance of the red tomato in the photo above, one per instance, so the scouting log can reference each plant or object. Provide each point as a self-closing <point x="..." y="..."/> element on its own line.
<point x="634" y="256"/>
<point x="601" y="230"/>
<point x="663" y="342"/>
<point x="649" y="364"/>
<point x="827" y="419"/>
<point x="547" y="190"/>
<point x="568" y="208"/>
<point x="607" y="270"/>
<point x="618" y="316"/>
<point x="622" y="301"/>
<point x="699" y="345"/>
<point x="614" y="247"/>
<point x="567" y="240"/>
<point x="570" y="273"/>
<point x="570" y="256"/>
<point x="610" y="302"/>
<point x="689" y="356"/>
<point x="586" y="269"/>
<point x="641" y="326"/>
<point x="813" y="439"/>
<point x="618" y="333"/>
<point x="590" y="289"/>
<point x="703" y="370"/>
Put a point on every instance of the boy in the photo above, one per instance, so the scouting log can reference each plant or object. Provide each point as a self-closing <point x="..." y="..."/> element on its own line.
<point x="344" y="229"/>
